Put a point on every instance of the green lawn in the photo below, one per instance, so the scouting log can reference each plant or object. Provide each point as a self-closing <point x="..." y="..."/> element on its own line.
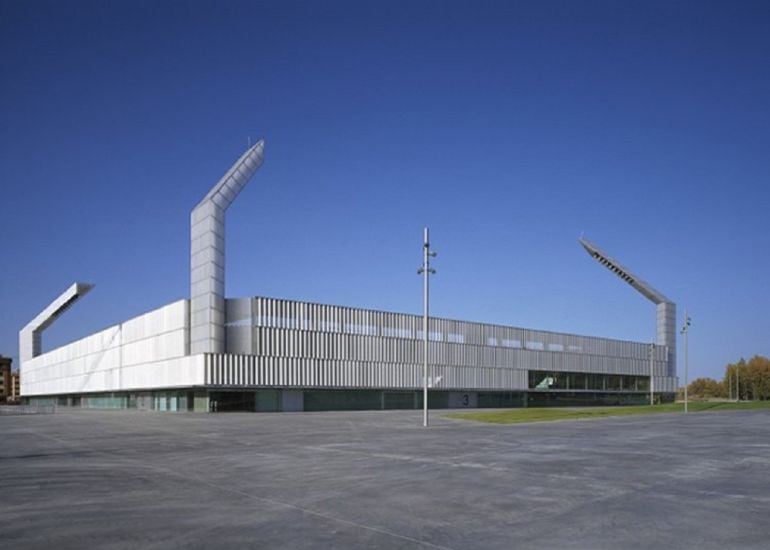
<point x="516" y="416"/>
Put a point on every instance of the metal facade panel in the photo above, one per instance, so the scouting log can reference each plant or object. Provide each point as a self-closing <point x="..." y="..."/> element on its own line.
<point x="105" y="361"/>
<point x="314" y="345"/>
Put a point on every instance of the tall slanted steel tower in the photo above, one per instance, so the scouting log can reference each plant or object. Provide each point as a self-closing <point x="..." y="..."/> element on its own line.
<point x="666" y="309"/>
<point x="207" y="254"/>
<point x="31" y="336"/>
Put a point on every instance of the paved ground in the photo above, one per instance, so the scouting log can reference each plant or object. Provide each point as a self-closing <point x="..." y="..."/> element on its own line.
<point x="87" y="479"/>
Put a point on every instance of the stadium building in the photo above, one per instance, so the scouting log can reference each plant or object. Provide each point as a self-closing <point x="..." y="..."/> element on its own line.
<point x="212" y="353"/>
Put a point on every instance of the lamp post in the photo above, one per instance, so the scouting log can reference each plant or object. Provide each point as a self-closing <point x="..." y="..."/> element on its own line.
<point x="652" y="359"/>
<point x="426" y="270"/>
<point x="685" y="331"/>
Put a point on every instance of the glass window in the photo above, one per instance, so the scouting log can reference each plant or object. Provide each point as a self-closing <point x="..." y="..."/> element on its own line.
<point x="540" y="380"/>
<point x="613" y="382"/>
<point x="595" y="382"/>
<point x="629" y="383"/>
<point x="560" y="380"/>
<point x="577" y="381"/>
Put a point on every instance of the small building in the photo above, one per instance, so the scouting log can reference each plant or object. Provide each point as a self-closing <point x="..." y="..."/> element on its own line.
<point x="7" y="380"/>
<point x="15" y="387"/>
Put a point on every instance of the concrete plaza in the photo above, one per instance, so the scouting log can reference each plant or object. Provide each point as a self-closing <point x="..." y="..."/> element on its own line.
<point x="117" y="479"/>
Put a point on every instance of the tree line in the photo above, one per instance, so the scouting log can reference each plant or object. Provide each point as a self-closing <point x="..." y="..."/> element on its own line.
<point x="751" y="378"/>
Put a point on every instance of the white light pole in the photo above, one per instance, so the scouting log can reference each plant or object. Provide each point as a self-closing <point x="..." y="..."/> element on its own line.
<point x="425" y="271"/>
<point x="737" y="381"/>
<point x="652" y="358"/>
<point x="685" y="331"/>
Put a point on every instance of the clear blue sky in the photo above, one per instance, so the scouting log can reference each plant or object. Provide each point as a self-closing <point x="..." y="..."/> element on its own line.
<point x="507" y="127"/>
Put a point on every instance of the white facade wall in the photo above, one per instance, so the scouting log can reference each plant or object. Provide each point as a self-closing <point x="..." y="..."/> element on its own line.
<point x="149" y="351"/>
<point x="280" y="343"/>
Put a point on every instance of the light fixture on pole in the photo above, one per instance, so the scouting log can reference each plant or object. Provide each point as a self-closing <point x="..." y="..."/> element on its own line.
<point x="685" y="331"/>
<point x="652" y="359"/>
<point x="426" y="270"/>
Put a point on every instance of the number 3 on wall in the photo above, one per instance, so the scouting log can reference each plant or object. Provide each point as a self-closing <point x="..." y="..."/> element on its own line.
<point x="466" y="400"/>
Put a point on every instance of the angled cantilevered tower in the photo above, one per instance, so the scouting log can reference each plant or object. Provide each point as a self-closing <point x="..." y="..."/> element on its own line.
<point x="31" y="336"/>
<point x="207" y="254"/>
<point x="666" y="309"/>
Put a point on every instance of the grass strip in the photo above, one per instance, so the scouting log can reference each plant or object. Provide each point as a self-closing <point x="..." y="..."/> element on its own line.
<point x="518" y="416"/>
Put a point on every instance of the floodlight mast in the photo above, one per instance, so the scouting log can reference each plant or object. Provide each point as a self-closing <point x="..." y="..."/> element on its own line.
<point x="31" y="336"/>
<point x="666" y="309"/>
<point x="207" y="253"/>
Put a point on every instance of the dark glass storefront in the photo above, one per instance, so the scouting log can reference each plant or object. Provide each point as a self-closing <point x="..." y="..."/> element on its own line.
<point x="546" y="389"/>
<point x="552" y="380"/>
